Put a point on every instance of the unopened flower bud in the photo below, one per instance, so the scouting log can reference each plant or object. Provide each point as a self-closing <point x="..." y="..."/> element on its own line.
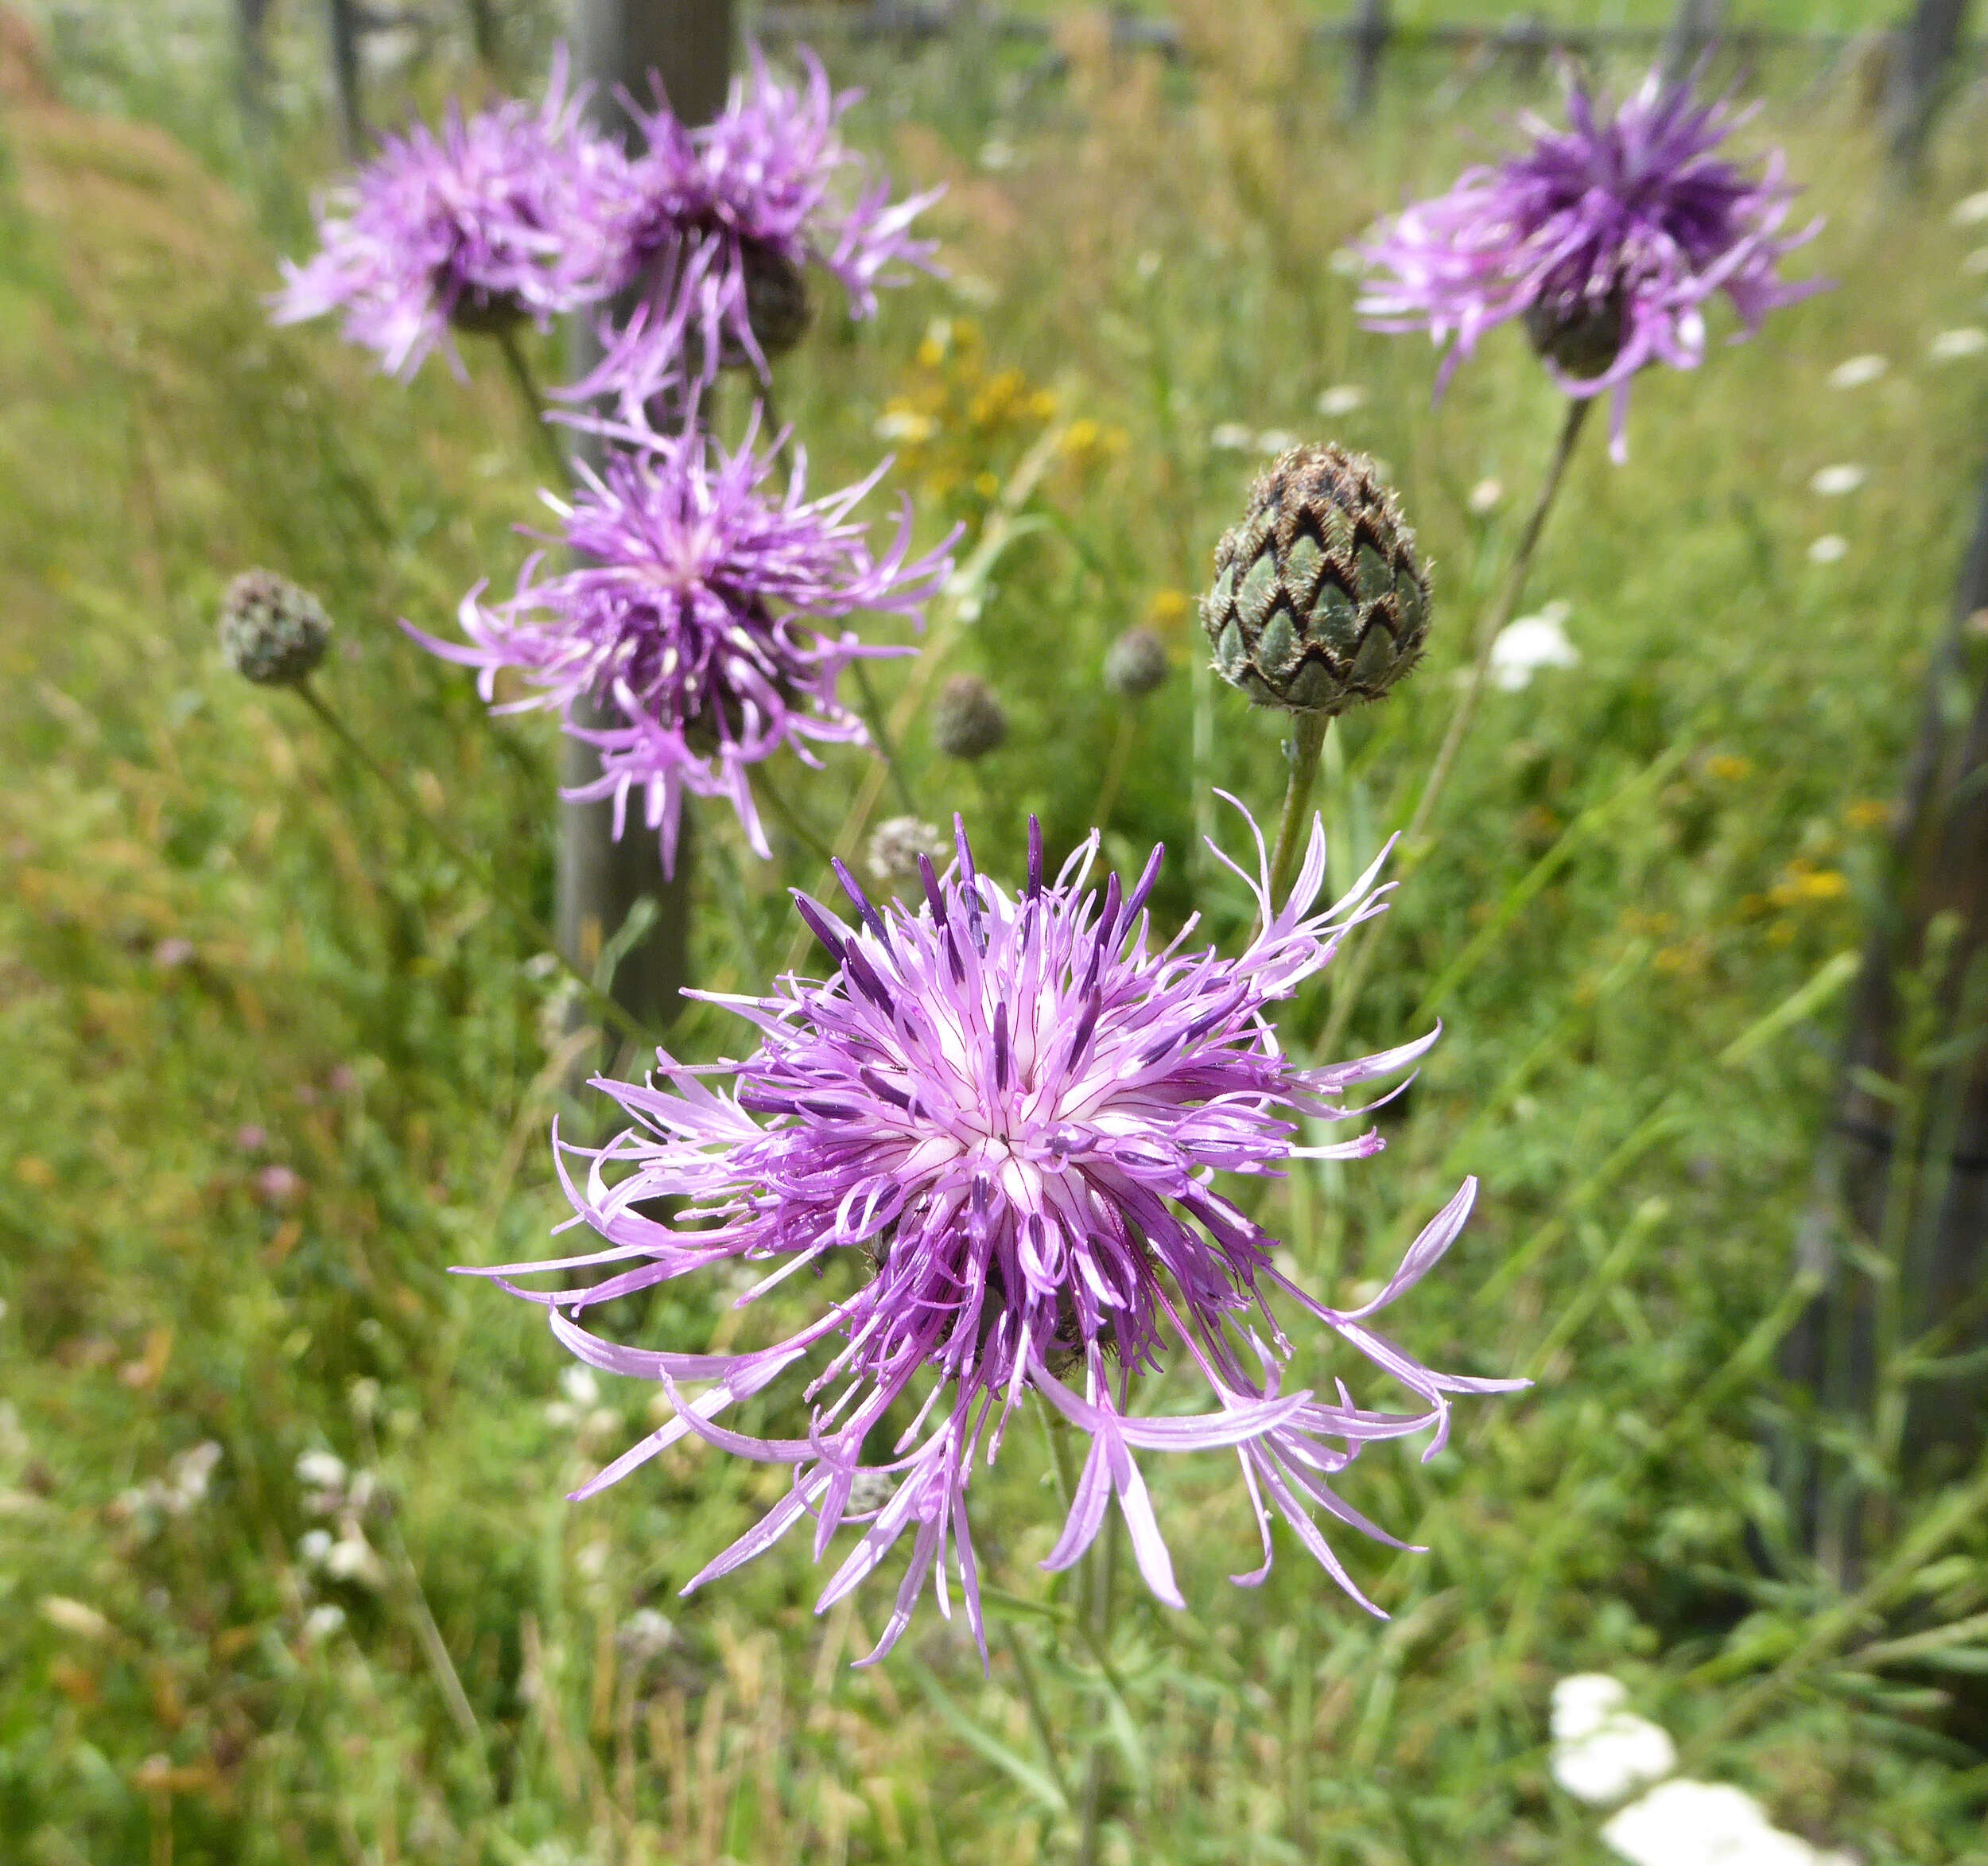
<point x="967" y="720"/>
<point x="1583" y="339"/>
<point x="272" y="633"/>
<point x="1135" y="663"/>
<point x="1320" y="602"/>
<point x="897" y="844"/>
<point x="777" y="303"/>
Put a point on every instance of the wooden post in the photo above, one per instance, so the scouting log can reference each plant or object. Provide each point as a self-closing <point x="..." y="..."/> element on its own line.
<point x="1365" y="45"/>
<point x="618" y="43"/>
<point x="1695" y="28"/>
<point x="1902" y="1179"/>
<point x="1921" y="73"/>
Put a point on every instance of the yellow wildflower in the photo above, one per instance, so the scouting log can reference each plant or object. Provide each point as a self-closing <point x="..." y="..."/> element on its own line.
<point x="1728" y="766"/>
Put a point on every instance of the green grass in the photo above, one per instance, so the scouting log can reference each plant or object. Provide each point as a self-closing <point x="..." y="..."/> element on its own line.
<point x="1157" y="260"/>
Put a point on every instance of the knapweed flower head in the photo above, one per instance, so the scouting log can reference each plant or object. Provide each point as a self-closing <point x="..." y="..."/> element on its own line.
<point x="1606" y="239"/>
<point x="498" y="217"/>
<point x="694" y="638"/>
<point x="719" y="225"/>
<point x="1004" y="1115"/>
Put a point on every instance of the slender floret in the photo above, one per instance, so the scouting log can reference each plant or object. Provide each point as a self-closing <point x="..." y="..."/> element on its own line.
<point x="717" y="226"/>
<point x="689" y="641"/>
<point x="497" y="217"/>
<point x="1606" y="239"/>
<point x="1004" y="1115"/>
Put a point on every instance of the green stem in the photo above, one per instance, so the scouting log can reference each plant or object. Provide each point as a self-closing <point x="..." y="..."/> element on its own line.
<point x="1100" y="1606"/>
<point x="1490" y="626"/>
<point x="880" y="736"/>
<point x="791" y="817"/>
<point x="1308" y="733"/>
<point x="523" y="916"/>
<point x="544" y="442"/>
<point x="1114" y="771"/>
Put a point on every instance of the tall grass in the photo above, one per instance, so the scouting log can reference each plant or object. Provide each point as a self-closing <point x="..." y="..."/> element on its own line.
<point x="1629" y="918"/>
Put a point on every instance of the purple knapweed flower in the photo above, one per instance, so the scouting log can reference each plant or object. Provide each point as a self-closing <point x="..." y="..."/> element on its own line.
<point x="688" y="643"/>
<point x="500" y="217"/>
<point x="1005" y="1114"/>
<point x="718" y="226"/>
<point x="1606" y="239"/>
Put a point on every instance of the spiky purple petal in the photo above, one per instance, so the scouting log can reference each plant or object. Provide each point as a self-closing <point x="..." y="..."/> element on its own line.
<point x="695" y="620"/>
<point x="771" y="173"/>
<point x="1634" y="212"/>
<point x="502" y="215"/>
<point x="1012" y="1110"/>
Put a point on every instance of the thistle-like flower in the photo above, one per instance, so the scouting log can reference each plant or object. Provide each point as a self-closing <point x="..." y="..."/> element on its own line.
<point x="500" y="217"/>
<point x="1005" y="1114"/>
<point x="720" y="225"/>
<point x="1605" y="239"/>
<point x="694" y="620"/>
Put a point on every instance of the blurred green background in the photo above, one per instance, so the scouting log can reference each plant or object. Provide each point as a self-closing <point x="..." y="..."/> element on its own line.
<point x="269" y="1064"/>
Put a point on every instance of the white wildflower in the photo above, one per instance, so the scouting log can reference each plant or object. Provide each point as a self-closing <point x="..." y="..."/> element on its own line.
<point x="1952" y="346"/>
<point x="1830" y="548"/>
<point x="1531" y="642"/>
<point x="1854" y="371"/>
<point x="1341" y="398"/>
<point x="322" y="1471"/>
<point x="1971" y="210"/>
<point x="1601" y="1751"/>
<point x="1486" y="496"/>
<point x="1835" y="482"/>
<point x="1686" y="1823"/>
<point x="1231" y="436"/>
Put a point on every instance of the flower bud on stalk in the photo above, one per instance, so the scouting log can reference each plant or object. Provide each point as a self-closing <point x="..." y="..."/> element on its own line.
<point x="779" y="306"/>
<point x="1135" y="664"/>
<point x="1320" y="602"/>
<point x="967" y="722"/>
<point x="272" y="631"/>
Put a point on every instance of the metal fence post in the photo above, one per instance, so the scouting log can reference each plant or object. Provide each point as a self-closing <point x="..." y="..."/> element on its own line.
<point x="345" y="23"/>
<point x="1921" y="72"/>
<point x="1911" y="1188"/>
<point x="1366" y="44"/>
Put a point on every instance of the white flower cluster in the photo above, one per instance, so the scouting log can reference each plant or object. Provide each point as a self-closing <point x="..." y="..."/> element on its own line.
<point x="182" y="1490"/>
<point x="1602" y="1752"/>
<point x="348" y="1496"/>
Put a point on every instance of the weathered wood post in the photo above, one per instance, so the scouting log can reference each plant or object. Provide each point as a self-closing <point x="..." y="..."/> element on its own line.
<point x="1366" y="44"/>
<point x="1921" y="74"/>
<point x="342" y="18"/>
<point x="1898" y="1229"/>
<point x="1695" y="28"/>
<point x="618" y="43"/>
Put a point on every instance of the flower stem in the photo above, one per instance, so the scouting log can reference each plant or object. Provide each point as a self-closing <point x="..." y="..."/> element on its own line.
<point x="1308" y="733"/>
<point x="879" y="732"/>
<point x="1101" y="1609"/>
<point x="523" y="916"/>
<point x="544" y="443"/>
<point x="1490" y="625"/>
<point x="1115" y="769"/>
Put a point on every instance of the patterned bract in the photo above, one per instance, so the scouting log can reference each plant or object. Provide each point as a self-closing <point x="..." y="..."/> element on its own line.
<point x="1319" y="601"/>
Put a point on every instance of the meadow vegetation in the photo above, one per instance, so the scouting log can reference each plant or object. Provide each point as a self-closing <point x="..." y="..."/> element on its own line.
<point x="270" y="1063"/>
